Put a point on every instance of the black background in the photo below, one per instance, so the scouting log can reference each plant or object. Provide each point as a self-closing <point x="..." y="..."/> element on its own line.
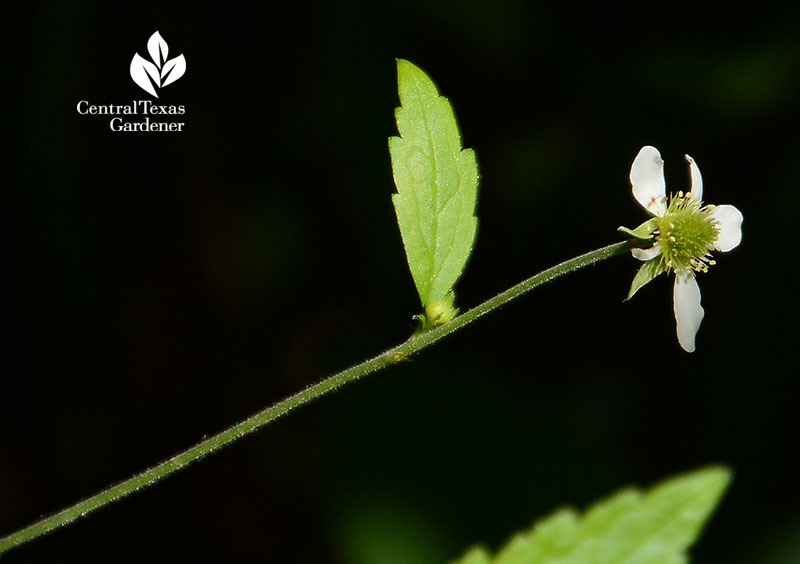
<point x="167" y="285"/>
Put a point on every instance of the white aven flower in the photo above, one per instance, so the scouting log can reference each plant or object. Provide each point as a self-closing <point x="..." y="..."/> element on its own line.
<point x="682" y="233"/>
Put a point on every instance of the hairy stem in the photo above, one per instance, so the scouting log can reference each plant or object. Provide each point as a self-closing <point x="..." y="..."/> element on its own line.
<point x="413" y="345"/>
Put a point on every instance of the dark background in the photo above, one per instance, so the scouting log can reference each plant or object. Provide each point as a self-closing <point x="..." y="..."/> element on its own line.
<point x="167" y="285"/>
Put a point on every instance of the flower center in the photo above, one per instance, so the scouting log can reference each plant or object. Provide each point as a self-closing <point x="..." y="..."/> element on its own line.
<point x="687" y="233"/>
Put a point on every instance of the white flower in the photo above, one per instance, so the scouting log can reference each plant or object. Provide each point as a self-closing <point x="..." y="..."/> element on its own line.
<point x="684" y="232"/>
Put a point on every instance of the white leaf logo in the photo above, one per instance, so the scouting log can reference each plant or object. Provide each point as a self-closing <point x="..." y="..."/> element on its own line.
<point x="173" y="70"/>
<point x="157" y="48"/>
<point x="151" y="76"/>
<point x="141" y="70"/>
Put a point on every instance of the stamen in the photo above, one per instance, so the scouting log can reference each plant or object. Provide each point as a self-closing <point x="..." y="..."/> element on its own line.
<point x="686" y="234"/>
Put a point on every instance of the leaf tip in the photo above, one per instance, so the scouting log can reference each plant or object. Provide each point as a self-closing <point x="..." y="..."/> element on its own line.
<point x="403" y="64"/>
<point x="406" y="69"/>
<point x="707" y="485"/>
<point x="715" y="478"/>
<point x="410" y="74"/>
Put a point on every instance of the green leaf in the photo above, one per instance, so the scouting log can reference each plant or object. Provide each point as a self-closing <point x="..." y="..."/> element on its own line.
<point x="476" y="555"/>
<point x="649" y="270"/>
<point x="437" y="188"/>
<point x="630" y="527"/>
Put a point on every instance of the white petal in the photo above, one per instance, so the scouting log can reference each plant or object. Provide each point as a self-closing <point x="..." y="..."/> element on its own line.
<point x="646" y="254"/>
<point x="647" y="180"/>
<point x="688" y="311"/>
<point x="697" y="179"/>
<point x="730" y="227"/>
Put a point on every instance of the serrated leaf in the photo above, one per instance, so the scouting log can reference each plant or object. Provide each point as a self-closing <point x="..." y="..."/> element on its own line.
<point x="648" y="271"/>
<point x="437" y="186"/>
<point x="630" y="527"/>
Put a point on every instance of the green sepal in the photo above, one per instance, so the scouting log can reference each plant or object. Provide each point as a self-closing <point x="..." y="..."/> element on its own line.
<point x="643" y="234"/>
<point x="647" y="272"/>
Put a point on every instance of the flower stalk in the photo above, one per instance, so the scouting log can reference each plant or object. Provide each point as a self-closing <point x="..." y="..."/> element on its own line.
<point x="413" y="345"/>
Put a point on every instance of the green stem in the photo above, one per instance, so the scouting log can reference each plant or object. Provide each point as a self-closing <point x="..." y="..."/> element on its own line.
<point x="413" y="345"/>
